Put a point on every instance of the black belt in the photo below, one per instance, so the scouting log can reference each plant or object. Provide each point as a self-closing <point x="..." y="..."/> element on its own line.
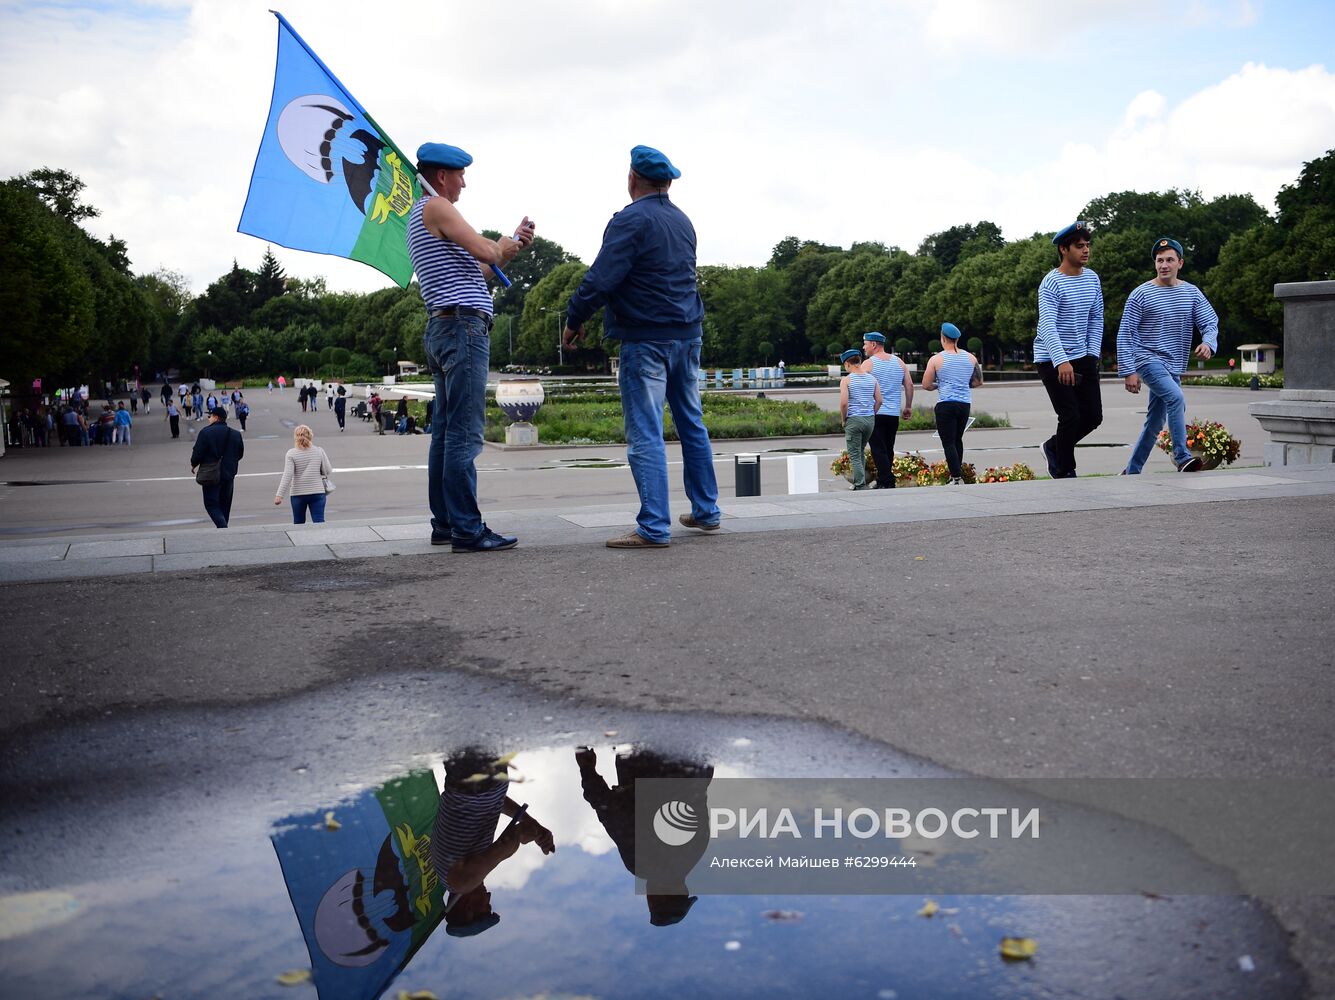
<point x="452" y="312"/>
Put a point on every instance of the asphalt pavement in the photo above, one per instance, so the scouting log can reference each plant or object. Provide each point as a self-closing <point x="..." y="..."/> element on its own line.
<point x="1165" y="625"/>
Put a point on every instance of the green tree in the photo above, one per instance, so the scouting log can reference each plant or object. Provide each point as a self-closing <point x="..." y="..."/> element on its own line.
<point x="532" y="265"/>
<point x="46" y="296"/>
<point x="951" y="245"/>
<point x="543" y="319"/>
<point x="270" y="280"/>
<point x="61" y="192"/>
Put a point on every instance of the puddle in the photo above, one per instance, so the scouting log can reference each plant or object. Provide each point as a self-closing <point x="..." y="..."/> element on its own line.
<point x="199" y="853"/>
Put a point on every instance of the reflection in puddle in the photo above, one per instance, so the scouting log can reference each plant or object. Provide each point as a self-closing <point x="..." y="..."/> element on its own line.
<point x="272" y="840"/>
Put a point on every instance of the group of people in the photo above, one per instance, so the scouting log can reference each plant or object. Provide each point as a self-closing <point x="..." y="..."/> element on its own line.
<point x="216" y="458"/>
<point x="878" y="391"/>
<point x="1154" y="345"/>
<point x="644" y="276"/>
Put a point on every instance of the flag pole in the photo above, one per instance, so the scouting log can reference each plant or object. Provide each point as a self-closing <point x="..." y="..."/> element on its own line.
<point x="367" y="115"/>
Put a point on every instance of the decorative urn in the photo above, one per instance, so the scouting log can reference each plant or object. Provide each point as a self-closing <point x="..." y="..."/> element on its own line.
<point x="519" y="399"/>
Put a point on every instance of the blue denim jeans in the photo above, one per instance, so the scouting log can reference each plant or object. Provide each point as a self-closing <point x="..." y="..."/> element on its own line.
<point x="313" y="502"/>
<point x="652" y="373"/>
<point x="1166" y="402"/>
<point x="458" y="350"/>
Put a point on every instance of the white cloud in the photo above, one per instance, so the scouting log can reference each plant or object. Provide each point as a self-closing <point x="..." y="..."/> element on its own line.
<point x="823" y="122"/>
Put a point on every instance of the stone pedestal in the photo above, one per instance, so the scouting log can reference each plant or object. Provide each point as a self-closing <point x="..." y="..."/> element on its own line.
<point x="522" y="434"/>
<point x="1301" y="423"/>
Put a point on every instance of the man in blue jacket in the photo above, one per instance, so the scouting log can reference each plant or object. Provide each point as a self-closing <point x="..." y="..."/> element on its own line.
<point x="645" y="276"/>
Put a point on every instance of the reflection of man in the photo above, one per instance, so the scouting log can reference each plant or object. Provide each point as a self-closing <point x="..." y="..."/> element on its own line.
<point x="666" y="892"/>
<point x="1067" y="347"/>
<point x="645" y="275"/>
<point x="464" y="845"/>
<point x="1154" y="345"/>
<point x="218" y="443"/>
<point x="448" y="255"/>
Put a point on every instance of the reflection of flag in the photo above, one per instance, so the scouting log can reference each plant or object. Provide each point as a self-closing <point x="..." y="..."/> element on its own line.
<point x="327" y="178"/>
<point x="366" y="894"/>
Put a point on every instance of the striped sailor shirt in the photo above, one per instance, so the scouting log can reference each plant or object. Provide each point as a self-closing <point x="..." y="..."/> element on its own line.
<point x="1158" y="323"/>
<point x="954" y="376"/>
<point x="465" y="824"/>
<point x="1070" y="317"/>
<point x="447" y="274"/>
<point x="861" y="395"/>
<point x="888" y="371"/>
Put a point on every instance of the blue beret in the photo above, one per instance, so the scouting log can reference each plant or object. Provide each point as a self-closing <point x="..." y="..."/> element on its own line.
<point x="653" y="165"/>
<point x="1082" y="227"/>
<point x="950" y="330"/>
<point x="876" y="338"/>
<point x="849" y="354"/>
<point x="441" y="154"/>
<point x="1166" y="243"/>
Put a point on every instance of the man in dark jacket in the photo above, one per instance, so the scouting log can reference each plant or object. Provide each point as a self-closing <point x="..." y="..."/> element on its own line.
<point x="218" y="443"/>
<point x="645" y="276"/>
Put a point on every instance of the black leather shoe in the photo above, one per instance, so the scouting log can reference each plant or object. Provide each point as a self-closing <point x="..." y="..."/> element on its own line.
<point x="488" y="541"/>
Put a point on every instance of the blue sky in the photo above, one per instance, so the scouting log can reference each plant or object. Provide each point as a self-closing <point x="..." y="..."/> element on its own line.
<point x="850" y="120"/>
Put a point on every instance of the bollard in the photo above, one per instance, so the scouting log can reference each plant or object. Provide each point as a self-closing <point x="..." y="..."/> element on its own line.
<point x="746" y="465"/>
<point x="803" y="474"/>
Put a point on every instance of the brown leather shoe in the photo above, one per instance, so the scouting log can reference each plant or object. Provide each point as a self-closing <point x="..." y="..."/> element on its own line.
<point x="634" y="540"/>
<point x="687" y="521"/>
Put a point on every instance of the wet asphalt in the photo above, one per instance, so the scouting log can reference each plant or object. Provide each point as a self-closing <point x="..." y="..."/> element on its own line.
<point x="1153" y="642"/>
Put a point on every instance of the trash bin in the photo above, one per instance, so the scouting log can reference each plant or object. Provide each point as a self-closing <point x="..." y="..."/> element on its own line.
<point x="746" y="466"/>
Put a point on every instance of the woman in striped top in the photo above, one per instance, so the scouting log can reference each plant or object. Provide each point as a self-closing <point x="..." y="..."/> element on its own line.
<point x="954" y="373"/>
<point x="859" y="399"/>
<point x="306" y="471"/>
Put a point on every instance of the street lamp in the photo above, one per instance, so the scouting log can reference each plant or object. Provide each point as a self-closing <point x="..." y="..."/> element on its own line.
<point x="208" y="364"/>
<point x="560" y="345"/>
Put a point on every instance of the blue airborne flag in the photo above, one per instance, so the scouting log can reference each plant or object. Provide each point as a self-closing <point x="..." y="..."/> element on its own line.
<point x="327" y="178"/>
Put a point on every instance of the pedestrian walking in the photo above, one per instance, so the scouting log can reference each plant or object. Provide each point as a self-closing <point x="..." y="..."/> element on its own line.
<point x="174" y="418"/>
<point x="214" y="460"/>
<point x="1068" y="345"/>
<point x="446" y="252"/>
<point x="896" y="402"/>
<point x="270" y="387"/>
<point x="859" y="399"/>
<point x="123" y="422"/>
<point x="146" y="398"/>
<point x="645" y="275"/>
<point x="341" y="408"/>
<point x="329" y="395"/>
<point x="1154" y="346"/>
<point x="954" y="373"/>
<point x="242" y="410"/>
<point x="307" y="475"/>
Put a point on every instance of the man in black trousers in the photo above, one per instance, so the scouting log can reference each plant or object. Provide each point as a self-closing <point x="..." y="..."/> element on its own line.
<point x="221" y="444"/>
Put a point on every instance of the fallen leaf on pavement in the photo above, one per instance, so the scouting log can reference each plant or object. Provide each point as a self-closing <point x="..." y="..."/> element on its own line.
<point x="1018" y="949"/>
<point x="295" y="977"/>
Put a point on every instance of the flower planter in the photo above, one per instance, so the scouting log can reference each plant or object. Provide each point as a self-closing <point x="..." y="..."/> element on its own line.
<point x="1207" y="462"/>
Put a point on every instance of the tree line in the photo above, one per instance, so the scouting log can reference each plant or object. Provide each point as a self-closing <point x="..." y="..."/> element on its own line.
<point x="74" y="311"/>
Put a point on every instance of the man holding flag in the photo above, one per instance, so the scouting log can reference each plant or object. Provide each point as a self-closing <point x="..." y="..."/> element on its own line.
<point x="448" y="256"/>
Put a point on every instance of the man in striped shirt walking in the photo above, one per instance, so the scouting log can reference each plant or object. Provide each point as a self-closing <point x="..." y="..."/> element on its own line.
<point x="1154" y="346"/>
<point x="1067" y="347"/>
